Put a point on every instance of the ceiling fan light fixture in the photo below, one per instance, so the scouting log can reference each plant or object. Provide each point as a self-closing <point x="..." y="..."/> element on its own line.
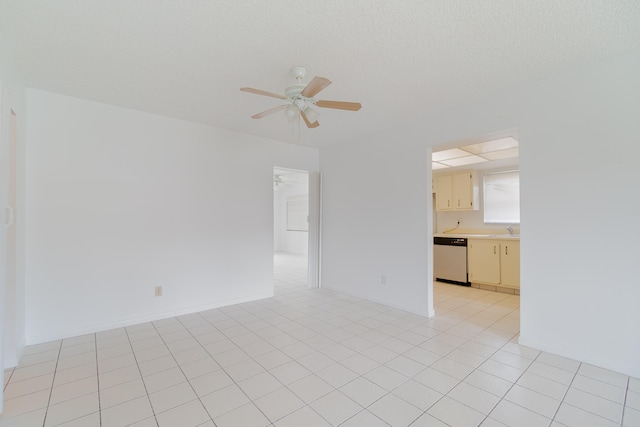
<point x="312" y="114"/>
<point x="292" y="111"/>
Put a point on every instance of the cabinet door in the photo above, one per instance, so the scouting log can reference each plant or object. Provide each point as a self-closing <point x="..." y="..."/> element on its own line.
<point x="462" y="191"/>
<point x="444" y="193"/>
<point x="484" y="261"/>
<point x="510" y="264"/>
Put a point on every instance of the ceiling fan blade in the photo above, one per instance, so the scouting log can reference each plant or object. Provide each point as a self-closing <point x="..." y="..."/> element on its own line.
<point x="351" y="106"/>
<point x="307" y="122"/>
<point x="269" y="111"/>
<point x="262" y="92"/>
<point x="315" y="86"/>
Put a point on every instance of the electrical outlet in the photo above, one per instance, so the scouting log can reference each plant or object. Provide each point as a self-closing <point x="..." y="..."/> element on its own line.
<point x="158" y="291"/>
<point x="383" y="280"/>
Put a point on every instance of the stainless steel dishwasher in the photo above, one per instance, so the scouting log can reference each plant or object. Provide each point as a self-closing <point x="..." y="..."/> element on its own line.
<point x="450" y="260"/>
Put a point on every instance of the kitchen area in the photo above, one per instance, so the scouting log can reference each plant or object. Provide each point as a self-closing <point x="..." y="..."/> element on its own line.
<point x="476" y="205"/>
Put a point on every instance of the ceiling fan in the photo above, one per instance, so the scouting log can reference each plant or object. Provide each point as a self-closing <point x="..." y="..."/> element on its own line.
<point x="301" y="99"/>
<point x="278" y="182"/>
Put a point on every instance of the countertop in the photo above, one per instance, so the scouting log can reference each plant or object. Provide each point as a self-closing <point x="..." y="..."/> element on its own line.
<point x="505" y="236"/>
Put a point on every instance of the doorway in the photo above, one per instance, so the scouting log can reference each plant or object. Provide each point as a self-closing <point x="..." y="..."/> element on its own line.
<point x="487" y="155"/>
<point x="291" y="228"/>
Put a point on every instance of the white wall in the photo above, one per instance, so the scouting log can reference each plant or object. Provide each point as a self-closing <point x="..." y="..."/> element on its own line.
<point x="12" y="294"/>
<point x="375" y="209"/>
<point x="579" y="147"/>
<point x="120" y="201"/>
<point x="295" y="242"/>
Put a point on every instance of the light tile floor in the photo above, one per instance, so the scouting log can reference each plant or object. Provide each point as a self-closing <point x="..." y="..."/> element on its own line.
<point x="317" y="358"/>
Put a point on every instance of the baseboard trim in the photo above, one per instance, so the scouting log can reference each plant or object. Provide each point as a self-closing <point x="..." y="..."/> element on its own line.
<point x="633" y="371"/>
<point x="427" y="313"/>
<point x="92" y="329"/>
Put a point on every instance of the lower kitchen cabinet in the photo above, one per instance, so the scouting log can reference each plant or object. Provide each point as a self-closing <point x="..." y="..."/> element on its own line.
<point x="494" y="262"/>
<point x="510" y="263"/>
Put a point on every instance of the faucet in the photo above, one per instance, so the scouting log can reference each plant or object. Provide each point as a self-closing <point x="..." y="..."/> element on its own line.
<point x="510" y="230"/>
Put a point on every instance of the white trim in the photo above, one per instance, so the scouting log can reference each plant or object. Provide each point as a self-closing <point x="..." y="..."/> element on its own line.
<point x="313" y="278"/>
<point x="37" y="339"/>
<point x="633" y="371"/>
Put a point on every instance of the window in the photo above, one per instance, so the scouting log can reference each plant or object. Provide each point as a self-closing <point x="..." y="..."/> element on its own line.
<point x="502" y="198"/>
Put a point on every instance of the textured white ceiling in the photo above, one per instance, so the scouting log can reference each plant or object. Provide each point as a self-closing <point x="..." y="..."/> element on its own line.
<point x="188" y="58"/>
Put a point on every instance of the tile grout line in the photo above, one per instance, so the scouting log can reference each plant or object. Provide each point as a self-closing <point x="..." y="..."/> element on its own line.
<point x="141" y="376"/>
<point x="624" y="402"/>
<point x="53" y="380"/>
<point x="180" y="366"/>
<point x="95" y="344"/>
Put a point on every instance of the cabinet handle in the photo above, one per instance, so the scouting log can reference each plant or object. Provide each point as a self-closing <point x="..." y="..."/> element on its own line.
<point x="458" y="202"/>
<point x="506" y="250"/>
<point x="448" y="203"/>
<point x="494" y="249"/>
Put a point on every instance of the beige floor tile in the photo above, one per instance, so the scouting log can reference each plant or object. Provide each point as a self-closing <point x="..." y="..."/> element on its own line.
<point x="572" y="416"/>
<point x="91" y="420"/>
<point x="118" y="376"/>
<point x="74" y="374"/>
<point x="26" y="403"/>
<point x="474" y="397"/>
<point x="364" y="418"/>
<point x="171" y="397"/>
<point x="290" y="372"/>
<point x="419" y="395"/>
<point x="28" y="419"/>
<point x="31" y="385"/>
<point x="190" y="414"/>
<point x="386" y="377"/>
<point x="335" y="407"/>
<point x="224" y="400"/>
<point x="427" y="420"/>
<point x="363" y="392"/>
<point x="604" y="375"/>
<point x="279" y="404"/>
<point x="631" y="417"/>
<point x="210" y="382"/>
<point x="246" y="415"/>
<point x="336" y="375"/>
<point x="243" y="370"/>
<point x="163" y="379"/>
<point x="594" y="404"/>
<point x="199" y="367"/>
<point x="74" y="389"/>
<point x="454" y="413"/>
<point x="32" y="371"/>
<point x="303" y="417"/>
<point x="72" y="409"/>
<point x="394" y="410"/>
<point x="260" y="385"/>
<point x="122" y="393"/>
<point x="532" y="400"/>
<point x="127" y="413"/>
<point x="511" y="414"/>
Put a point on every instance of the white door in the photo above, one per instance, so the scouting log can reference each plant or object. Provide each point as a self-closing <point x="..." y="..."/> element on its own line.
<point x="315" y="218"/>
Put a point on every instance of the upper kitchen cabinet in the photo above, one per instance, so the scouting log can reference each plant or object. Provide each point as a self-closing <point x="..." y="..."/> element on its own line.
<point x="457" y="192"/>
